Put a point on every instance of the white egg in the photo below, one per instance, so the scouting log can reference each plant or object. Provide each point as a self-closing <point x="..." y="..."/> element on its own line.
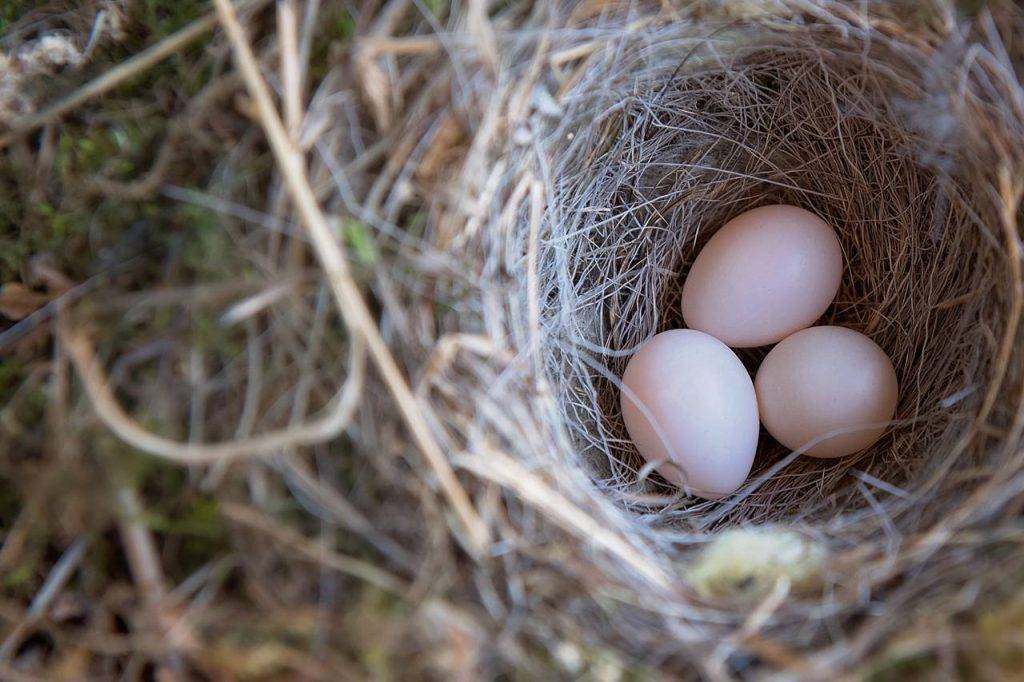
<point x="827" y="380"/>
<point x="765" y="274"/>
<point x="688" y="403"/>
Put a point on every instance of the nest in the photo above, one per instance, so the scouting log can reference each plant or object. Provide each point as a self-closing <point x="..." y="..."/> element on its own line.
<point x="537" y="182"/>
<point x="656" y="152"/>
<point x="642" y="136"/>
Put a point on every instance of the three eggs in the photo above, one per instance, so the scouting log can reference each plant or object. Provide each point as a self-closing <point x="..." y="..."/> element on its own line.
<point x="689" y="404"/>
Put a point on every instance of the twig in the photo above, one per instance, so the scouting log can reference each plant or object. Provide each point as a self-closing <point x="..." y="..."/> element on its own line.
<point x="179" y="130"/>
<point x="52" y="586"/>
<point x="97" y="386"/>
<point x="406" y="45"/>
<point x="291" y="74"/>
<point x="139" y="548"/>
<point x="292" y="97"/>
<point x="501" y="469"/>
<point x="347" y="295"/>
<point x="144" y="563"/>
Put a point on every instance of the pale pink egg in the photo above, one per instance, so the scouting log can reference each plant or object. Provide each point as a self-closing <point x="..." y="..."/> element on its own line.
<point x="689" y="403"/>
<point x="826" y="380"/>
<point x="765" y="274"/>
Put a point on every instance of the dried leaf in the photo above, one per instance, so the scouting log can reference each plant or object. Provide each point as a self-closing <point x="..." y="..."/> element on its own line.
<point x="18" y="301"/>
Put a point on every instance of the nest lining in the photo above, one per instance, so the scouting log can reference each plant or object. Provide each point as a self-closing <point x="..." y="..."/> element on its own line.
<point x="834" y="127"/>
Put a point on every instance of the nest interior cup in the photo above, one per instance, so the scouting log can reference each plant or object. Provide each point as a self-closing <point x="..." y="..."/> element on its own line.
<point x="863" y="136"/>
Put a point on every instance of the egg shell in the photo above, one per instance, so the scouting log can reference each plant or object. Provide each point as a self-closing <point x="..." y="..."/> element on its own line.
<point x="826" y="379"/>
<point x="688" y="400"/>
<point x="765" y="274"/>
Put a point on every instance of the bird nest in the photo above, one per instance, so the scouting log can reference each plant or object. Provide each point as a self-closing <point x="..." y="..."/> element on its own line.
<point x="641" y="136"/>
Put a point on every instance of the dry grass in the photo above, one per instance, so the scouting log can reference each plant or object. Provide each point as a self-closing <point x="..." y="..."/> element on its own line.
<point x="397" y="384"/>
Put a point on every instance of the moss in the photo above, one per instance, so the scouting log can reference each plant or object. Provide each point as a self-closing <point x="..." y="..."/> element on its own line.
<point x="74" y="227"/>
<point x="207" y="244"/>
<point x="22" y="405"/>
<point x="50" y="209"/>
<point x="195" y="528"/>
<point x="373" y="611"/>
<point x="971" y="8"/>
<point x="186" y="521"/>
<point x="12" y="373"/>
<point x="438" y="7"/>
<point x="61" y="218"/>
<point x="163" y="17"/>
<point x="209" y="335"/>
<point x="116" y="150"/>
<point x="339" y="25"/>
<point x="1000" y="636"/>
<point x="200" y="519"/>
<point x="897" y="666"/>
<point x="184" y="72"/>
<point x="360" y="241"/>
<point x="14" y="246"/>
<point x="22" y="578"/>
<point x="745" y="563"/>
<point x="342" y="26"/>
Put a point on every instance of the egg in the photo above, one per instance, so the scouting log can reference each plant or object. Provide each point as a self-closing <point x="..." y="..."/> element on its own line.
<point x="688" y="402"/>
<point x="823" y="380"/>
<point x="765" y="274"/>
